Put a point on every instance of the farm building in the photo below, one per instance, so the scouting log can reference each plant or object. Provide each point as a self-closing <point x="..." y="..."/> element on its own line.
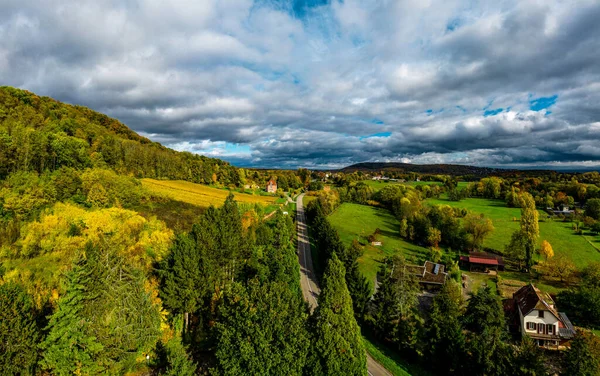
<point x="482" y="261"/>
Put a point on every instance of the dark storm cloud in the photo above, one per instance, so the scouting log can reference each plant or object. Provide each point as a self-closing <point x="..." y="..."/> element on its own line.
<point x="325" y="84"/>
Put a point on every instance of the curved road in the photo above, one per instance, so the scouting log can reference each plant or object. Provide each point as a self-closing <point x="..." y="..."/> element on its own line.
<point x="308" y="280"/>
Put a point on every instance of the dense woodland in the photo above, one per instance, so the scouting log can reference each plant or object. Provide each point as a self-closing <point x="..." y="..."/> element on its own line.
<point x="95" y="280"/>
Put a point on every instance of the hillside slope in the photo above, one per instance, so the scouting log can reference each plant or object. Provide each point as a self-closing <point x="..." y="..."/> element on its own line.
<point x="38" y="134"/>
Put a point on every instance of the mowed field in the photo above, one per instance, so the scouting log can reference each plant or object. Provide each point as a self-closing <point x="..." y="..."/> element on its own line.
<point x="353" y="221"/>
<point x="200" y="195"/>
<point x="580" y="249"/>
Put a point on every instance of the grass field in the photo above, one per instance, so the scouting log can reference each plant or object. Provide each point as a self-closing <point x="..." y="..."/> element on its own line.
<point x="391" y="361"/>
<point x="559" y="234"/>
<point x="200" y="195"/>
<point x="354" y="221"/>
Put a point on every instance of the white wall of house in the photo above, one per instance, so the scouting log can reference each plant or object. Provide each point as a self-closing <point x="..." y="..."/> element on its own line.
<point x="533" y="317"/>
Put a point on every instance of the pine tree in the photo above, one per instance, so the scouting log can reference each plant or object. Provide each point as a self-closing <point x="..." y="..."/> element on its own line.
<point x="485" y="319"/>
<point x="261" y="330"/>
<point x="529" y="359"/>
<point x="583" y="356"/>
<point x="19" y="333"/>
<point x="446" y="341"/>
<point x="69" y="348"/>
<point x="104" y="321"/>
<point x="183" y="282"/>
<point x="337" y="344"/>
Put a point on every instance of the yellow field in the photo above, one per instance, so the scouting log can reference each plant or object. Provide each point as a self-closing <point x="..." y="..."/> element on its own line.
<point x="198" y="194"/>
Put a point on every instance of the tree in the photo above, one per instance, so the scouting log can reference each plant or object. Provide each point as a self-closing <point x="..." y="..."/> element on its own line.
<point x="546" y="250"/>
<point x="560" y="267"/>
<point x="592" y="208"/>
<point x="529" y="359"/>
<point x="337" y="344"/>
<point x="445" y="337"/>
<point x="261" y="330"/>
<point x="104" y="321"/>
<point x="516" y="248"/>
<point x="530" y="228"/>
<point x="478" y="227"/>
<point x="583" y="358"/>
<point x="434" y="237"/>
<point x="183" y="284"/>
<point x="19" y="333"/>
<point x="485" y="319"/>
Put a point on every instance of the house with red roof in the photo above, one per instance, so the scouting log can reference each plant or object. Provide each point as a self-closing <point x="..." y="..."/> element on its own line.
<point x="482" y="261"/>
<point x="272" y="186"/>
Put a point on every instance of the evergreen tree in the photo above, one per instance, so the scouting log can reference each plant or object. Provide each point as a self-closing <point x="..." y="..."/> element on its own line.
<point x="104" y="321"/>
<point x="337" y="344"/>
<point x="69" y="347"/>
<point x="173" y="359"/>
<point x="529" y="359"/>
<point x="485" y="319"/>
<point x="445" y="338"/>
<point x="583" y="358"/>
<point x="183" y="284"/>
<point x="19" y="333"/>
<point x="261" y="330"/>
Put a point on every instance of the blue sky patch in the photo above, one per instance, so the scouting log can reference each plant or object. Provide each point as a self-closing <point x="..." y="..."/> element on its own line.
<point x="380" y="134"/>
<point x="376" y="121"/>
<point x="487" y="113"/>
<point x="541" y="103"/>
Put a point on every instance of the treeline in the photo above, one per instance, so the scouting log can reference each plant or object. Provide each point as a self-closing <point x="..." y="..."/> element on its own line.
<point x="39" y="134"/>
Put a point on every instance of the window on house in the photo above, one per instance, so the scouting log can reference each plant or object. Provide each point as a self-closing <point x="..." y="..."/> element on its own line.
<point x="540" y="328"/>
<point x="541" y="313"/>
<point x="530" y="326"/>
<point x="550" y="328"/>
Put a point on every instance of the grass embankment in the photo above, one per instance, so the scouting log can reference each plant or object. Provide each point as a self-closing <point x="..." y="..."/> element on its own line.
<point x="201" y="195"/>
<point x="353" y="221"/>
<point x="560" y="234"/>
<point x="391" y="361"/>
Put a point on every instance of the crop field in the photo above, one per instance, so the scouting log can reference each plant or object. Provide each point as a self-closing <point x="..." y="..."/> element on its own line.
<point x="581" y="249"/>
<point x="200" y="195"/>
<point x="353" y="221"/>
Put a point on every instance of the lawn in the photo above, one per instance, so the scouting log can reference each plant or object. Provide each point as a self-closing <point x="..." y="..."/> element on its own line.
<point x="391" y="360"/>
<point x="559" y="234"/>
<point x="200" y="195"/>
<point x="353" y="221"/>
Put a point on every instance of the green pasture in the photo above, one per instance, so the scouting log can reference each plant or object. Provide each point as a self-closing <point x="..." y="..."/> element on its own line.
<point x="354" y="221"/>
<point x="581" y="249"/>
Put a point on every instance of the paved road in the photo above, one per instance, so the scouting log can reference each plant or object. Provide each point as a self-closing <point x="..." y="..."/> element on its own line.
<point x="308" y="280"/>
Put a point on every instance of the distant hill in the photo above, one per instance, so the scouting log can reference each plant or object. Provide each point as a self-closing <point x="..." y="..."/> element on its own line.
<point x="42" y="134"/>
<point x="438" y="169"/>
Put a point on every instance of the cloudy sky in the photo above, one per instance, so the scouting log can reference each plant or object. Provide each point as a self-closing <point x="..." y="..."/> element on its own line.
<point x="321" y="84"/>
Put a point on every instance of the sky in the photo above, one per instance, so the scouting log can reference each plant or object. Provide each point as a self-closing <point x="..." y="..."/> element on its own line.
<point x="325" y="84"/>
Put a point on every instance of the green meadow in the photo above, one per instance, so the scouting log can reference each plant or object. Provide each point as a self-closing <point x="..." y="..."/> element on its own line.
<point x="581" y="249"/>
<point x="354" y="221"/>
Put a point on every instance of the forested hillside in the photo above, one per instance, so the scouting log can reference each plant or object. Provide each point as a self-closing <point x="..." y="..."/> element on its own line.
<point x="39" y="134"/>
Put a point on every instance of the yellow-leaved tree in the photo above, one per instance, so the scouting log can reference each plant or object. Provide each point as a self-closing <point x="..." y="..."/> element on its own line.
<point x="546" y="250"/>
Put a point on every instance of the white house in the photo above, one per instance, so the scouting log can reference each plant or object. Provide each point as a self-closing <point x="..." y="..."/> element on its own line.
<point x="539" y="319"/>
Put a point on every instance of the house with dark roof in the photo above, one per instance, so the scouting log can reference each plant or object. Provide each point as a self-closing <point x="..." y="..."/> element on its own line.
<point x="272" y="186"/>
<point x="482" y="261"/>
<point x="431" y="276"/>
<point x="534" y="314"/>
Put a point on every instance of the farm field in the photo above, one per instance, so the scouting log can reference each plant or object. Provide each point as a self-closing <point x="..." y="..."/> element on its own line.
<point x="201" y="195"/>
<point x="354" y="221"/>
<point x="559" y="234"/>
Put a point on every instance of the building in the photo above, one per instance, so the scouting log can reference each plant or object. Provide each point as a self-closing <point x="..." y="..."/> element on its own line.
<point x="431" y="276"/>
<point x="533" y="313"/>
<point x="272" y="186"/>
<point x="482" y="261"/>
